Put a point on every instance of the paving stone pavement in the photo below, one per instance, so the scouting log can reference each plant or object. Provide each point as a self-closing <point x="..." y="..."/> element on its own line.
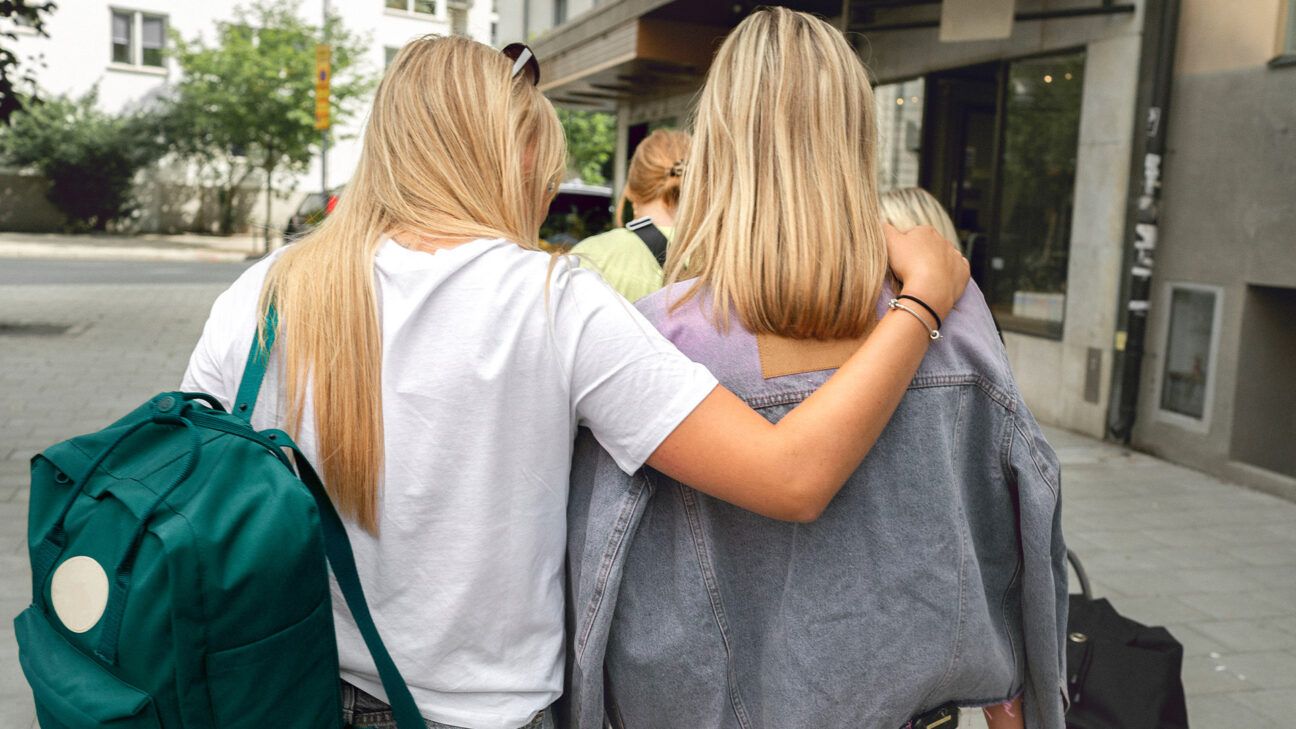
<point x="1214" y="562"/>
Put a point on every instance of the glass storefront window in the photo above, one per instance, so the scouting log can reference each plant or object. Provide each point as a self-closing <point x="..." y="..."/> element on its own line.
<point x="899" y="119"/>
<point x="1189" y="343"/>
<point x="1028" y="265"/>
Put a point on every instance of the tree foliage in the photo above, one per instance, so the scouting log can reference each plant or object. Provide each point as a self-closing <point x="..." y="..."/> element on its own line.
<point x="591" y="141"/>
<point x="89" y="157"/>
<point x="246" y="101"/>
<point x="17" y="83"/>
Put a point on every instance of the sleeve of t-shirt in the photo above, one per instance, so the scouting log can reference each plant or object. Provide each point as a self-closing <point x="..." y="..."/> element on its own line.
<point x="216" y="364"/>
<point x="205" y="372"/>
<point x="629" y="385"/>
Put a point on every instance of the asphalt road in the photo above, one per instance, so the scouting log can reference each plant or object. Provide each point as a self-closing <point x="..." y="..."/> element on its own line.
<point x="18" y="272"/>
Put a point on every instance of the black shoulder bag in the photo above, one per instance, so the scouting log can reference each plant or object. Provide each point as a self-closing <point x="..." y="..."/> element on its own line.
<point x="1120" y="674"/>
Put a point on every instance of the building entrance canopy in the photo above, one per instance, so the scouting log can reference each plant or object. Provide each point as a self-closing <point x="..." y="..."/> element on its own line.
<point x="631" y="49"/>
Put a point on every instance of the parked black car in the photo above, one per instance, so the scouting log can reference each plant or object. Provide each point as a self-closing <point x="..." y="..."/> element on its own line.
<point x="577" y="212"/>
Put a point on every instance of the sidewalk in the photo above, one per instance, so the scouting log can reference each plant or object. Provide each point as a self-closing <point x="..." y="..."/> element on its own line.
<point x="110" y="247"/>
<point x="1212" y="561"/>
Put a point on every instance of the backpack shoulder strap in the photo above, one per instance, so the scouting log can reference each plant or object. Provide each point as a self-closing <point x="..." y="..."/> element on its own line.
<point x="254" y="371"/>
<point x="652" y="237"/>
<point x="337" y="546"/>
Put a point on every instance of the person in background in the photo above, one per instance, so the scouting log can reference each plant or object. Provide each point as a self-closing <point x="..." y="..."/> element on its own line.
<point x="630" y="258"/>
<point x="909" y="207"/>
<point x="935" y="581"/>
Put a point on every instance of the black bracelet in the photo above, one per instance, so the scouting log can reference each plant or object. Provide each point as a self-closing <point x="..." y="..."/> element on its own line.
<point x="924" y="305"/>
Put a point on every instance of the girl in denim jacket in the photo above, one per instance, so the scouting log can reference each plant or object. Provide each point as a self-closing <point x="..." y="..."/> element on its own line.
<point x="936" y="578"/>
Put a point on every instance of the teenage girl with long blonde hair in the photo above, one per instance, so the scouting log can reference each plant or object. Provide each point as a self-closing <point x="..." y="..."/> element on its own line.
<point x="435" y="367"/>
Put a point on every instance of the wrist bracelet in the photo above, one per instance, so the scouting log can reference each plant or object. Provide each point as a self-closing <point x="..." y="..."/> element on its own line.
<point x="924" y="305"/>
<point x="895" y="304"/>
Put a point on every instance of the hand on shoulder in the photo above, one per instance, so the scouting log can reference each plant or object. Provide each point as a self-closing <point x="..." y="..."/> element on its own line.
<point x="928" y="266"/>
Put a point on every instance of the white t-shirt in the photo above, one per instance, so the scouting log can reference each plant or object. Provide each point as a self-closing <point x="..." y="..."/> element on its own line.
<point x="482" y="393"/>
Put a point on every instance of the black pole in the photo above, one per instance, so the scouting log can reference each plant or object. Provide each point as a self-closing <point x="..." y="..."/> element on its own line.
<point x="1143" y="212"/>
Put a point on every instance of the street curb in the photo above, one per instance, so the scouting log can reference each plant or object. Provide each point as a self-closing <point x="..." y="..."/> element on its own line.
<point x="118" y="253"/>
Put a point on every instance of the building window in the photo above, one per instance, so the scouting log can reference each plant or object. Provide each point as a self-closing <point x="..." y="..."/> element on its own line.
<point x="1190" y="350"/>
<point x="421" y="7"/>
<point x="899" y="118"/>
<point x="127" y="26"/>
<point x="123" y="50"/>
<point x="1041" y="132"/>
<point x="389" y="55"/>
<point x="458" y="20"/>
<point x="1289" y="31"/>
<point x="152" y="40"/>
<point x="560" y="12"/>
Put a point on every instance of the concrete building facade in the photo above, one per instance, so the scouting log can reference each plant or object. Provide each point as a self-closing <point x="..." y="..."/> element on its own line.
<point x="119" y="47"/>
<point x="1038" y="143"/>
<point x="1216" y="389"/>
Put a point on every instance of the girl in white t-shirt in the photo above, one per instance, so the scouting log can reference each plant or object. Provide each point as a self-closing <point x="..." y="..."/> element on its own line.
<point x="435" y="366"/>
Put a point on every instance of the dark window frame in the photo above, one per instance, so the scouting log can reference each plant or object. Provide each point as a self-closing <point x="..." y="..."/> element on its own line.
<point x="1043" y="329"/>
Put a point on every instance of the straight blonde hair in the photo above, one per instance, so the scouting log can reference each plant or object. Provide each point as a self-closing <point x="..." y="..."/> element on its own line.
<point x="779" y="212"/>
<point x="456" y="149"/>
<point x="909" y="207"/>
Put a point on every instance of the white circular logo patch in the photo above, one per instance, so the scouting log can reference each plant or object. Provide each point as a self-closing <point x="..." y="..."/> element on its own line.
<point x="79" y="592"/>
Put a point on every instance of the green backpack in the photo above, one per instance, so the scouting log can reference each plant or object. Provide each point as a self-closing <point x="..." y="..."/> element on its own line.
<point x="179" y="576"/>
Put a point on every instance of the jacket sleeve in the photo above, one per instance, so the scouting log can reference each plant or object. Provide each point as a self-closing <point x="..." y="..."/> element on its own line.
<point x="1033" y="469"/>
<point x="604" y="508"/>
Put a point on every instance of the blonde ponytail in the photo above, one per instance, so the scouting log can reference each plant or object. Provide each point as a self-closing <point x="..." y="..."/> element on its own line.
<point x="656" y="171"/>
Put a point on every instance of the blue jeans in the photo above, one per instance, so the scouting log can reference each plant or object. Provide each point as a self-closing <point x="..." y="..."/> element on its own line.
<point x="363" y="711"/>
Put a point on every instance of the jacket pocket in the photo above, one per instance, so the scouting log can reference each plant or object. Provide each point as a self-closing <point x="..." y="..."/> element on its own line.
<point x="73" y="690"/>
<point x="287" y="679"/>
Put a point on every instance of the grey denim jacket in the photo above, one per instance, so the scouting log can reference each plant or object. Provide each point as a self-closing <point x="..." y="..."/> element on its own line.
<point x="937" y="575"/>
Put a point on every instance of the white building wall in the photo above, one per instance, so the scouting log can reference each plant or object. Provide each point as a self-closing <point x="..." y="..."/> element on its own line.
<point x="524" y="20"/>
<point x="77" y="55"/>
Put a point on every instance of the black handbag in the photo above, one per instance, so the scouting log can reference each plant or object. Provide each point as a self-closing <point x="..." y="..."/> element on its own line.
<point x="1121" y="674"/>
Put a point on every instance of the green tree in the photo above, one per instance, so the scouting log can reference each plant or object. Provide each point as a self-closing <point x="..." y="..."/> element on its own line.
<point x="591" y="141"/>
<point x="246" y="102"/>
<point x="89" y="157"/>
<point x="13" y="79"/>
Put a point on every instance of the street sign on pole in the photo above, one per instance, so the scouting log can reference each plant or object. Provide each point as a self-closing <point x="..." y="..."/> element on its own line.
<point x="323" y="54"/>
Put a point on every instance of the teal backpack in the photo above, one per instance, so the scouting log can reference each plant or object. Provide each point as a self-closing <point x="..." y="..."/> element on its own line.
<point x="179" y="576"/>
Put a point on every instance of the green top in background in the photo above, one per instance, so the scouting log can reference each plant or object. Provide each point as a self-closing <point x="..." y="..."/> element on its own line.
<point x="624" y="261"/>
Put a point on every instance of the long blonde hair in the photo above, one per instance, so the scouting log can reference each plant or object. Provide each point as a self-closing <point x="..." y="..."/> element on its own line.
<point x="656" y="170"/>
<point x="456" y="148"/>
<point x="779" y="212"/>
<point x="909" y="207"/>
